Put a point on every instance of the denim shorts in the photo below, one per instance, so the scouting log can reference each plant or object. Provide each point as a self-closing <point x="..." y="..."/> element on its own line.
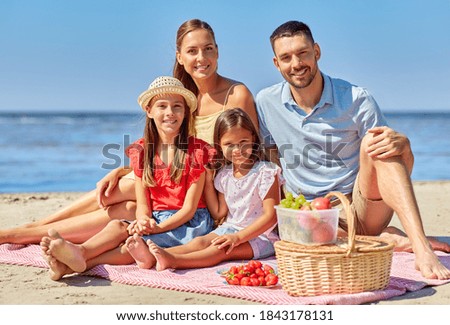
<point x="200" y="224"/>
<point x="262" y="247"/>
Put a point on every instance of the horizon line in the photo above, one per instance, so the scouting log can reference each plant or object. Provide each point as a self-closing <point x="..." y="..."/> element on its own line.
<point x="105" y="111"/>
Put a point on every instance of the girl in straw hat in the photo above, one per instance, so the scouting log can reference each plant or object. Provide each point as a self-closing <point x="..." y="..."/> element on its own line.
<point x="195" y="65"/>
<point x="170" y="176"/>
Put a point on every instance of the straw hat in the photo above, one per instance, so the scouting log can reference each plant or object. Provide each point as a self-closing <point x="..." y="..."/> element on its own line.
<point x="167" y="85"/>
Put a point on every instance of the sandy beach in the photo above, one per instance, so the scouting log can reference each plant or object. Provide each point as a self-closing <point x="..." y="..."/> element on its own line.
<point x="29" y="285"/>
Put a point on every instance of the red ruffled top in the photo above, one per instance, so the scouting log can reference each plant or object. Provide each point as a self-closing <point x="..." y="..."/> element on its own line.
<point x="168" y="195"/>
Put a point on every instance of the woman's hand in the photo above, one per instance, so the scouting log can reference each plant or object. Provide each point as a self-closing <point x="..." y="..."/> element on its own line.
<point x="105" y="186"/>
<point x="230" y="240"/>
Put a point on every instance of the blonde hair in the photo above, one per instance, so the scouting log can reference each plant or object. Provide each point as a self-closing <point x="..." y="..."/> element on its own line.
<point x="151" y="141"/>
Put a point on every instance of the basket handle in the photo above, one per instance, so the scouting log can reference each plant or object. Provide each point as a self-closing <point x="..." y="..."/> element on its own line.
<point x="350" y="219"/>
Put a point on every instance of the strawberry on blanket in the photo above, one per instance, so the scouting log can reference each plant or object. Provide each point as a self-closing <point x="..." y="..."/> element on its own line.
<point x="253" y="273"/>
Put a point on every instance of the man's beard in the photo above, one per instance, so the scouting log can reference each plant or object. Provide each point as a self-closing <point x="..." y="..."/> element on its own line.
<point x="304" y="83"/>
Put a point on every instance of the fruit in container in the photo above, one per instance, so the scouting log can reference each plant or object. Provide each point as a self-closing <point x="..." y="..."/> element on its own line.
<point x="321" y="203"/>
<point x="307" y="223"/>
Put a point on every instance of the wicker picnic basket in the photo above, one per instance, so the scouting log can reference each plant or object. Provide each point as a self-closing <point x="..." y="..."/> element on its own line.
<point x="351" y="265"/>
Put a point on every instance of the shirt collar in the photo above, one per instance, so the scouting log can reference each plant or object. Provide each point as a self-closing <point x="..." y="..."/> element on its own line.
<point x="326" y="98"/>
<point x="286" y="95"/>
<point x="327" y="93"/>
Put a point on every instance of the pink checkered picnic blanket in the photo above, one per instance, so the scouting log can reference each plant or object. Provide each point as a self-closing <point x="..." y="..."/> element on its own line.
<point x="404" y="277"/>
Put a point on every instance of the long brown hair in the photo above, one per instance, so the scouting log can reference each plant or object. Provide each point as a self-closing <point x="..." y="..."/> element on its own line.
<point x="178" y="70"/>
<point x="151" y="141"/>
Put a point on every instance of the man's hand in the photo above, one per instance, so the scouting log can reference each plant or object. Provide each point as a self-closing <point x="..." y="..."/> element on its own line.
<point x="386" y="143"/>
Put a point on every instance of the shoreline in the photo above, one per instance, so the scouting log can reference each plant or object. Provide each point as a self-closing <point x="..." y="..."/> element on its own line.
<point x="21" y="285"/>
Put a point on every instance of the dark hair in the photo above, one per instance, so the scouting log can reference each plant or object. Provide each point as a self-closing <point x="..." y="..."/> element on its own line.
<point x="290" y="29"/>
<point x="178" y="70"/>
<point x="151" y="141"/>
<point x="236" y="117"/>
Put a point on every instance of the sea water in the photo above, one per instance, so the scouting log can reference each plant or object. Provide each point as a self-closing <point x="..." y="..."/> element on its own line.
<point x="43" y="152"/>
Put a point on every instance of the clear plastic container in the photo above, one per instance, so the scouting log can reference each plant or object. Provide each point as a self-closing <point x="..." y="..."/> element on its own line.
<point x="308" y="227"/>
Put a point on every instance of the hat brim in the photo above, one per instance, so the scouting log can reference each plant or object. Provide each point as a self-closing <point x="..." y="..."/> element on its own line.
<point x="147" y="96"/>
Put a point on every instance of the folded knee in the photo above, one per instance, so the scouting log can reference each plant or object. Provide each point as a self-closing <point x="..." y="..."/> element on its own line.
<point x="365" y="142"/>
<point x="201" y="241"/>
<point x="123" y="210"/>
<point x="117" y="226"/>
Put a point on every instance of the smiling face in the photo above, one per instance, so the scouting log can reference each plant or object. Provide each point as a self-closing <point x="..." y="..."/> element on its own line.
<point x="198" y="54"/>
<point x="168" y="112"/>
<point x="237" y="145"/>
<point x="296" y="58"/>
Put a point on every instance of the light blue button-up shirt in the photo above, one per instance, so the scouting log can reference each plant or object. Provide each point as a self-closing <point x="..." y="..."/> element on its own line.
<point x="319" y="151"/>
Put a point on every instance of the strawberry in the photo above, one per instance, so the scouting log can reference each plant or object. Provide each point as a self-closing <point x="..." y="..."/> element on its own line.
<point x="245" y="281"/>
<point x="268" y="269"/>
<point x="231" y="279"/>
<point x="271" y="279"/>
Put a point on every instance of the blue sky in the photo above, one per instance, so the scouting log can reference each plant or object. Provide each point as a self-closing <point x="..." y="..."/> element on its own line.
<point x="98" y="55"/>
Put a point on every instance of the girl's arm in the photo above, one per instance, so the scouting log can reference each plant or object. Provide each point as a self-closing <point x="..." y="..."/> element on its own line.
<point x="143" y="224"/>
<point x="188" y="209"/>
<point x="215" y="201"/>
<point x="267" y="220"/>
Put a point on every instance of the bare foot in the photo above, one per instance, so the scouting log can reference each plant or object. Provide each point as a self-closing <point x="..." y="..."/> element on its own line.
<point x="58" y="269"/>
<point x="66" y="252"/>
<point x="403" y="244"/>
<point x="430" y="266"/>
<point x="139" y="251"/>
<point x="163" y="258"/>
<point x="45" y="245"/>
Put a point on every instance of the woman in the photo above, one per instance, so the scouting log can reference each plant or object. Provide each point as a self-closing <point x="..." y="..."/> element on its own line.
<point x="114" y="198"/>
<point x="196" y="67"/>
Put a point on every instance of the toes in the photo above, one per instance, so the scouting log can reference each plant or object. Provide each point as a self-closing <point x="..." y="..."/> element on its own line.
<point x="432" y="272"/>
<point x="153" y="248"/>
<point x="56" y="242"/>
<point x="442" y="272"/>
<point x="428" y="273"/>
<point x="45" y="241"/>
<point x="44" y="246"/>
<point x="150" y="244"/>
<point x="54" y="234"/>
<point x="129" y="241"/>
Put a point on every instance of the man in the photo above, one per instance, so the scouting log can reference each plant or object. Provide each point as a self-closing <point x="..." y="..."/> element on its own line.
<point x="330" y="135"/>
